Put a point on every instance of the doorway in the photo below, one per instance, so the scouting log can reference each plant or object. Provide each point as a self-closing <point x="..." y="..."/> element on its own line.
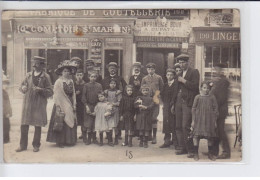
<point x="113" y="55"/>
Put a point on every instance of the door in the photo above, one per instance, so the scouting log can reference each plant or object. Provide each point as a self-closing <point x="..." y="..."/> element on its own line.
<point x="116" y="56"/>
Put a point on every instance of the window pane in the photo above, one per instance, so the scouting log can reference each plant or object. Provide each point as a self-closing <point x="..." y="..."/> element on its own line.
<point x="216" y="55"/>
<point x="225" y="55"/>
<point x="208" y="60"/>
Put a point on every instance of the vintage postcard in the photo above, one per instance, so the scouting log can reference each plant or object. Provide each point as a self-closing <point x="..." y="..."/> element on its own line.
<point x="121" y="85"/>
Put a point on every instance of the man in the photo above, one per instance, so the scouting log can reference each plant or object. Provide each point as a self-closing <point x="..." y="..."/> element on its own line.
<point x="189" y="88"/>
<point x="220" y="90"/>
<point x="136" y="79"/>
<point x="120" y="82"/>
<point x="37" y="88"/>
<point x="155" y="82"/>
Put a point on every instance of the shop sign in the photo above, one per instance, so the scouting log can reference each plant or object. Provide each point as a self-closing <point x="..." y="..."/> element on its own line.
<point x="96" y="50"/>
<point x="162" y="27"/>
<point x="157" y="45"/>
<point x="70" y="29"/>
<point x="160" y="39"/>
<point x="118" y="13"/>
<point x="218" y="36"/>
<point x="114" y="42"/>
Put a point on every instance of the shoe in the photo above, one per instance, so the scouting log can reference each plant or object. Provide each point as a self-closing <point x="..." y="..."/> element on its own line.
<point x="111" y="144"/>
<point x="101" y="143"/>
<point x="145" y="145"/>
<point x="212" y="157"/>
<point x="196" y="157"/>
<point x="36" y="149"/>
<point x="164" y="146"/>
<point x="95" y="141"/>
<point x="20" y="149"/>
<point x="224" y="156"/>
<point x="81" y="137"/>
<point x="141" y="144"/>
<point x="178" y="148"/>
<point x="116" y="141"/>
<point x="180" y="152"/>
<point x="130" y="144"/>
<point x="60" y="146"/>
<point x="154" y="140"/>
<point x="190" y="155"/>
<point x="150" y="138"/>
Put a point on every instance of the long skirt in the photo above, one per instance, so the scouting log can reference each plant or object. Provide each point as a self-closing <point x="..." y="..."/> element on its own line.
<point x="67" y="136"/>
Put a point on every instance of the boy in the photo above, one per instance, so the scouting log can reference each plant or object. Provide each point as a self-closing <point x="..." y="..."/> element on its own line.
<point x="169" y="96"/>
<point x="90" y="99"/>
<point x="79" y="84"/>
<point x="155" y="82"/>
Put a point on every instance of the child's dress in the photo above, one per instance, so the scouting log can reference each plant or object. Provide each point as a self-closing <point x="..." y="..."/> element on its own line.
<point x="101" y="122"/>
<point x="114" y="96"/>
<point x="127" y="110"/>
<point x="204" y="116"/>
<point x="144" y="117"/>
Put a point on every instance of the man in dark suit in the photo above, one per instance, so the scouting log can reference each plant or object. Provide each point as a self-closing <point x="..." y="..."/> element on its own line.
<point x="120" y="82"/>
<point x="136" y="79"/>
<point x="220" y="90"/>
<point x="189" y="88"/>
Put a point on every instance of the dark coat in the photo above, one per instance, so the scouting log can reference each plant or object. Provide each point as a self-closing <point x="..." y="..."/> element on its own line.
<point x="169" y="96"/>
<point x="80" y="105"/>
<point x="120" y="83"/>
<point x="191" y="88"/>
<point x="220" y="90"/>
<point x="35" y="102"/>
<point x="155" y="82"/>
<point x="136" y="83"/>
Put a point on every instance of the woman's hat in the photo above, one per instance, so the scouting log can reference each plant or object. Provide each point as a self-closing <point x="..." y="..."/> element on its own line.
<point x="137" y="64"/>
<point x="39" y="59"/>
<point x="183" y="57"/>
<point x="112" y="64"/>
<point x="66" y="64"/>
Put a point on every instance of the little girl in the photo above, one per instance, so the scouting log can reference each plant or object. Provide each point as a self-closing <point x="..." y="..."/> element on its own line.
<point x="145" y="106"/>
<point x="127" y="112"/>
<point x="113" y="97"/>
<point x="103" y="111"/>
<point x="204" y="116"/>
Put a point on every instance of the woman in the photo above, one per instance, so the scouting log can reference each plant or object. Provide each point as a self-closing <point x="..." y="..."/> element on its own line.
<point x="65" y="102"/>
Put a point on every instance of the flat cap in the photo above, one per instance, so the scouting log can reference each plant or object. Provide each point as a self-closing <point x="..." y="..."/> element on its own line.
<point x="137" y="64"/>
<point x="89" y="61"/>
<point x="150" y="65"/>
<point x="183" y="57"/>
<point x="112" y="64"/>
<point x="39" y="59"/>
<point x="171" y="70"/>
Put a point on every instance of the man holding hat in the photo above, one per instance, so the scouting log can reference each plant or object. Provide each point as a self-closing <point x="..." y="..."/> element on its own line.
<point x="189" y="88"/>
<point x="220" y="90"/>
<point x="155" y="82"/>
<point x="136" y="79"/>
<point x="120" y="82"/>
<point x="36" y="88"/>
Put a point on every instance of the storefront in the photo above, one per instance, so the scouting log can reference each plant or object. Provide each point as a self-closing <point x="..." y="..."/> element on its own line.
<point x="160" y="40"/>
<point x="218" y="45"/>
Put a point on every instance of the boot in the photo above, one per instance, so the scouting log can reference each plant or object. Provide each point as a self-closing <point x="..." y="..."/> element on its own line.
<point x="145" y="141"/>
<point x="211" y="155"/>
<point x="94" y="138"/>
<point x="125" y="143"/>
<point x="141" y="144"/>
<point x="110" y="139"/>
<point x="116" y="140"/>
<point x="150" y="138"/>
<point x="101" y="139"/>
<point x="84" y="137"/>
<point x="196" y="153"/>
<point x="130" y="141"/>
<point x="154" y="136"/>
<point x="89" y="139"/>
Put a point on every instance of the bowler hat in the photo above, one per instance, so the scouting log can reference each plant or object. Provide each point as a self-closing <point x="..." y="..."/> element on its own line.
<point x="183" y="57"/>
<point x="39" y="59"/>
<point x="112" y="64"/>
<point x="150" y="65"/>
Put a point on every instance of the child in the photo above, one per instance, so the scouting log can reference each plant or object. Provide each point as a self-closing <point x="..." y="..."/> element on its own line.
<point x="204" y="116"/>
<point x="90" y="100"/>
<point x="114" y="96"/>
<point x="103" y="112"/>
<point x="169" y="96"/>
<point x="7" y="110"/>
<point x="155" y="82"/>
<point x="79" y="84"/>
<point x="127" y="112"/>
<point x="145" y="106"/>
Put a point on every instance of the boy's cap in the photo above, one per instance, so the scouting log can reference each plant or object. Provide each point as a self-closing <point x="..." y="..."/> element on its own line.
<point x="137" y="64"/>
<point x="112" y="64"/>
<point x="151" y="65"/>
<point x="183" y="57"/>
<point x="170" y="70"/>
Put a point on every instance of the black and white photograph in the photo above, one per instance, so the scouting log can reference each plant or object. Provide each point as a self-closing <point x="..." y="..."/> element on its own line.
<point x="121" y="85"/>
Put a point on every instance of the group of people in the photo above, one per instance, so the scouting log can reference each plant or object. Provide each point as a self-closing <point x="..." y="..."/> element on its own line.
<point x="191" y="110"/>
